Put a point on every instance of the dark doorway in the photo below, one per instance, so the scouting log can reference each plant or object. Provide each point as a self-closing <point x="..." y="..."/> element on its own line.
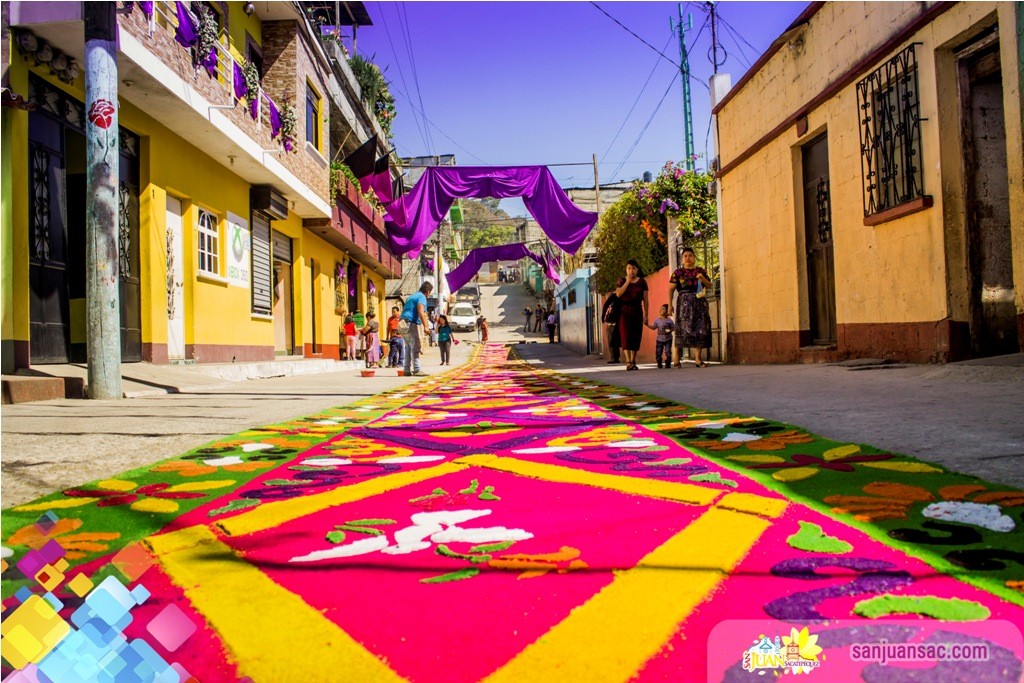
<point x="990" y="262"/>
<point x="57" y="201"/>
<point x="821" y="288"/>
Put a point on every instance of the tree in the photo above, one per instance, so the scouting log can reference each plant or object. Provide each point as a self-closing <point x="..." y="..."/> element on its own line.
<point x="485" y="224"/>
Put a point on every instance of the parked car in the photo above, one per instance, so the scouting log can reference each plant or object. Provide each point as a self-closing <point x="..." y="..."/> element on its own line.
<point x="462" y="317"/>
<point x="469" y="293"/>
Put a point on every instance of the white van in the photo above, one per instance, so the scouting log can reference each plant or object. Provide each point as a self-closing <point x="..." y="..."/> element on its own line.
<point x="462" y="317"/>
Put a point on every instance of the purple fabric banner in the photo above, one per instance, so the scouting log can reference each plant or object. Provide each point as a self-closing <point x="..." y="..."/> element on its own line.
<point x="275" y="118"/>
<point x="382" y="185"/>
<point x="210" y="62"/>
<point x="417" y="214"/>
<point x="147" y="9"/>
<point x="185" y="34"/>
<point x="241" y="90"/>
<point x="550" y="265"/>
<point x="254" y="108"/>
<point x="465" y="271"/>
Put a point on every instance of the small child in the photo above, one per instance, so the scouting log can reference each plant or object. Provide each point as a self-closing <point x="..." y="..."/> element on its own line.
<point x="483" y="329"/>
<point x="663" y="325"/>
<point x="444" y="339"/>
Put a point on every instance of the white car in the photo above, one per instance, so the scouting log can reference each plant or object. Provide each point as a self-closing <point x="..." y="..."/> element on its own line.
<point x="462" y="318"/>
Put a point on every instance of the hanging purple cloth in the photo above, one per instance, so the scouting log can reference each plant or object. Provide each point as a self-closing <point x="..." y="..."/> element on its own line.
<point x="550" y="264"/>
<point x="465" y="271"/>
<point x="187" y="32"/>
<point x="210" y="62"/>
<point x="417" y="214"/>
<point x="275" y="118"/>
<point x="254" y="107"/>
<point x="147" y="9"/>
<point x="382" y="185"/>
<point x="241" y="89"/>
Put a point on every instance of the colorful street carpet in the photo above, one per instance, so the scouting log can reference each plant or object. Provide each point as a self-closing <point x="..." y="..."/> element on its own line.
<point x="501" y="522"/>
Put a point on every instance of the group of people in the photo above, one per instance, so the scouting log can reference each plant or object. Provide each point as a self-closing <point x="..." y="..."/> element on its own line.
<point x="627" y="313"/>
<point x="540" y="317"/>
<point x="508" y="275"/>
<point x="406" y="328"/>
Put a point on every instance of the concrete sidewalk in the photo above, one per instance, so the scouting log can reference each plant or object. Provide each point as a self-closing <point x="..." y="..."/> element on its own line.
<point x="966" y="416"/>
<point x="49" y="445"/>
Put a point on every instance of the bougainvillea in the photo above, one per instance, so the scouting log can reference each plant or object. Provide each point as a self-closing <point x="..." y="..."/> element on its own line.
<point x="637" y="225"/>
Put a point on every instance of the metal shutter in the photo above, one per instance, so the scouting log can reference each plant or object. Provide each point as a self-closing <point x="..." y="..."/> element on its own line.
<point x="262" y="273"/>
<point x="282" y="247"/>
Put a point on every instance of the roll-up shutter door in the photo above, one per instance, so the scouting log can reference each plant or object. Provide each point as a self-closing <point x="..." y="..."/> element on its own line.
<point x="262" y="272"/>
<point x="282" y="247"/>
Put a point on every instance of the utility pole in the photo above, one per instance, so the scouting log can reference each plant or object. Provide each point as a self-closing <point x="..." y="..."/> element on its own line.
<point x="684" y="68"/>
<point x="597" y="188"/>
<point x="102" y="293"/>
<point x="710" y="4"/>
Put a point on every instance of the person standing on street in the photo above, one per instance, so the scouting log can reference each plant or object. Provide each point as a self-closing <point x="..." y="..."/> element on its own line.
<point x="414" y="317"/>
<point x="538" y="314"/>
<point x="551" y="321"/>
<point x="527" y="314"/>
<point x="444" y="339"/>
<point x="483" y="329"/>
<point x="396" y="345"/>
<point x="350" y="337"/>
<point x="632" y="292"/>
<point x="693" y="321"/>
<point x="610" y="317"/>
<point x="663" y="325"/>
<point x="371" y="332"/>
<point x="432" y="317"/>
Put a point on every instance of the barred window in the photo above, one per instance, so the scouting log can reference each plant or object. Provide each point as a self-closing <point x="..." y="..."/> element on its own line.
<point x="890" y="134"/>
<point x="209" y="239"/>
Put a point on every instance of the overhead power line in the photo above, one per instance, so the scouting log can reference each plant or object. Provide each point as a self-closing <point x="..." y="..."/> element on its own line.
<point x="401" y="74"/>
<point x="648" y="124"/>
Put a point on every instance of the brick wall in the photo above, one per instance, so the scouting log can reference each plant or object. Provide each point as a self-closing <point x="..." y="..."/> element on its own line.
<point x="286" y="65"/>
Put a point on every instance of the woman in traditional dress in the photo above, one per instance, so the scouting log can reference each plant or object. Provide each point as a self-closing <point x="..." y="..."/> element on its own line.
<point x="693" y="321"/>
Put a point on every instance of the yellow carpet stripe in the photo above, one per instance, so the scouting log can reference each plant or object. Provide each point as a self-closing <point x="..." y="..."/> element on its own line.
<point x="269" y="515"/>
<point x="613" y="634"/>
<point x="682" y="493"/>
<point x="272" y="634"/>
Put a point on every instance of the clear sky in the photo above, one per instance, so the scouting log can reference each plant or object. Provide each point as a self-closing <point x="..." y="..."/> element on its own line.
<point x="515" y="83"/>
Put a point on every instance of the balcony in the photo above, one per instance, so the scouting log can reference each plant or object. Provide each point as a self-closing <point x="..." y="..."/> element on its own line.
<point x="199" y="104"/>
<point x="358" y="229"/>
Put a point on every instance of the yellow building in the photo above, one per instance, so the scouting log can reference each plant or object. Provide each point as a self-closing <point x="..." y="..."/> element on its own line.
<point x="232" y="245"/>
<point x="872" y="186"/>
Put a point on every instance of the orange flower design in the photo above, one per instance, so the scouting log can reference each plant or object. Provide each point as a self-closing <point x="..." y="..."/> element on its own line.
<point x="772" y="442"/>
<point x="77" y="545"/>
<point x="197" y="468"/>
<point x="890" y="500"/>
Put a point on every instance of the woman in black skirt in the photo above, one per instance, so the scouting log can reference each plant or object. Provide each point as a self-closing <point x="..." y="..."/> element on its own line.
<point x="693" y="322"/>
<point x="632" y="293"/>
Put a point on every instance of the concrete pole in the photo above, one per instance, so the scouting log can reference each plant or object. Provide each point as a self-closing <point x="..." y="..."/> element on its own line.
<point x="103" y="321"/>
<point x="597" y="188"/>
<point x="720" y="86"/>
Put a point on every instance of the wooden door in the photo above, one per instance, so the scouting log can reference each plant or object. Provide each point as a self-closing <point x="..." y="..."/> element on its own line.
<point x="990" y="259"/>
<point x="821" y="286"/>
<point x="49" y="316"/>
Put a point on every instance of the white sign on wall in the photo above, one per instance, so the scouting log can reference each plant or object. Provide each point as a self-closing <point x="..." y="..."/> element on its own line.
<point x="239" y="251"/>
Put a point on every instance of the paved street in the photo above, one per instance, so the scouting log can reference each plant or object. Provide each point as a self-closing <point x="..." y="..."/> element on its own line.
<point x="574" y="510"/>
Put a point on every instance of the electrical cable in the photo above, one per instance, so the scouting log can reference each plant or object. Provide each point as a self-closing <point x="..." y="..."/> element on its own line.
<point x="401" y="74"/>
<point x="648" y="124"/>
<point x="635" y="102"/>
<point x="415" y="71"/>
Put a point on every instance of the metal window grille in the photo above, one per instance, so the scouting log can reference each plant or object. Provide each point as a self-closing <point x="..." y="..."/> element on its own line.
<point x="40" y="204"/>
<point x="209" y="254"/>
<point x="890" y="134"/>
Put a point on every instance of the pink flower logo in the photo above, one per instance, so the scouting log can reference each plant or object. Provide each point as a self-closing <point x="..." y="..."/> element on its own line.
<point x="101" y="113"/>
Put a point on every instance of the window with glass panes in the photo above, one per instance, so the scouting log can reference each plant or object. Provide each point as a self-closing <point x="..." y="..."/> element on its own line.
<point x="312" y="116"/>
<point x="209" y="240"/>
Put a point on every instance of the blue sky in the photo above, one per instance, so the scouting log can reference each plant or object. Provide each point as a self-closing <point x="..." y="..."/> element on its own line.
<point x="510" y="83"/>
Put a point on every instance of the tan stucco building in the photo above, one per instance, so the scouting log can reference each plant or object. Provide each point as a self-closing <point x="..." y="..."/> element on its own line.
<point x="872" y="186"/>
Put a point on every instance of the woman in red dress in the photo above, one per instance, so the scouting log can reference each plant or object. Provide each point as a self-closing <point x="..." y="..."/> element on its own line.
<point x="632" y="293"/>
